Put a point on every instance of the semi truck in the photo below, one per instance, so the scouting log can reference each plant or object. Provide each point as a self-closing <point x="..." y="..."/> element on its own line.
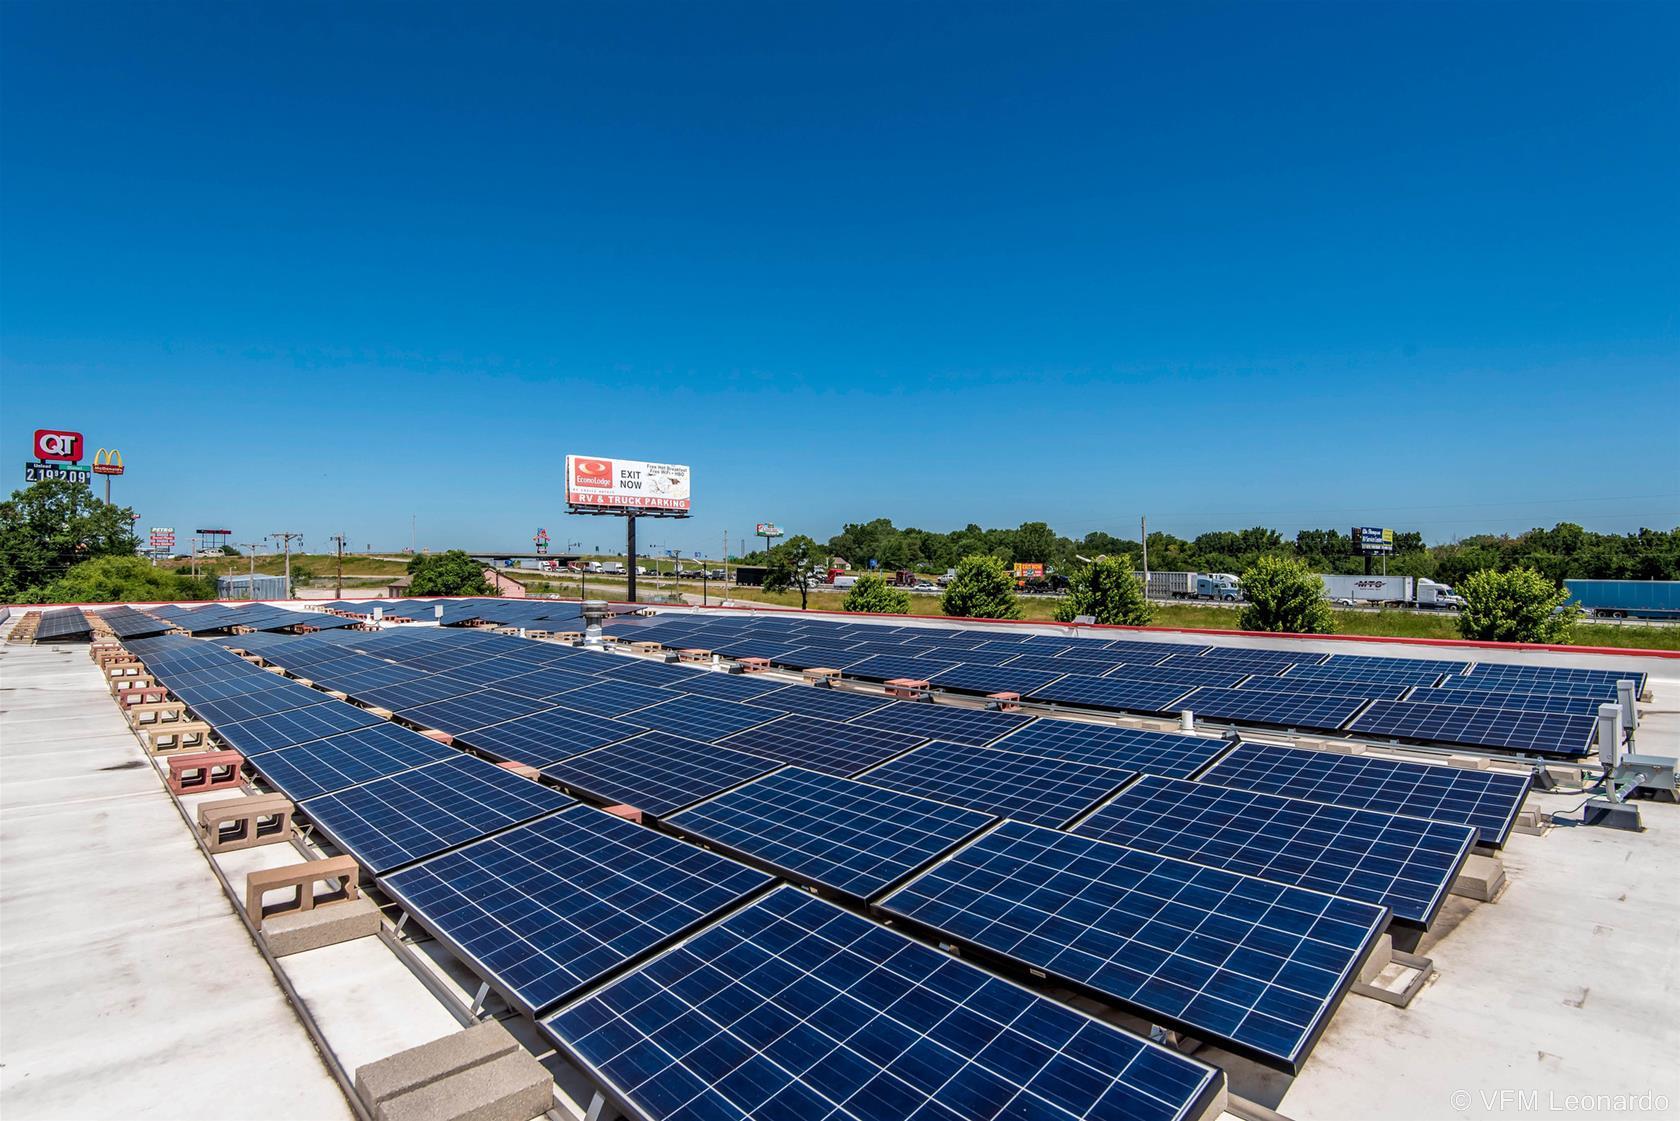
<point x="1626" y="599"/>
<point x="1191" y="585"/>
<point x="1405" y="591"/>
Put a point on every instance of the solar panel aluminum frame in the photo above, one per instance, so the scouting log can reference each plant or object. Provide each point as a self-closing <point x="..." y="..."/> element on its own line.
<point x="499" y="986"/>
<point x="1004" y="962"/>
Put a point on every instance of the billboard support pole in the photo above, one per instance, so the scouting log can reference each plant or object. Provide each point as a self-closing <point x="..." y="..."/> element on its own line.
<point x="630" y="557"/>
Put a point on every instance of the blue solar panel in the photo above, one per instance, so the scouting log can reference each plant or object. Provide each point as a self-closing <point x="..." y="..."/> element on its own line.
<point x="1406" y="864"/>
<point x="263" y="702"/>
<point x="1260" y="706"/>
<point x="1141" y="653"/>
<point x="831" y="704"/>
<point x="697" y="717"/>
<point x="1094" y="663"/>
<point x="460" y="715"/>
<point x="1324" y="688"/>
<point x="821" y="745"/>
<point x="350" y="759"/>
<point x="419" y="689"/>
<point x="1256" y="965"/>
<point x="1548" y="733"/>
<point x="786" y="1009"/>
<point x="829" y="657"/>
<point x="546" y="682"/>
<point x="644" y="672"/>
<point x="1109" y="693"/>
<point x="1131" y="749"/>
<point x="614" y="698"/>
<point x="492" y="671"/>
<point x="837" y="833"/>
<point x="1363" y="664"/>
<point x="407" y="817"/>
<point x="546" y="737"/>
<point x="1487" y="800"/>
<point x="1420" y="673"/>
<point x="283" y="729"/>
<point x="656" y="772"/>
<point x="727" y="687"/>
<point x="1488" y="698"/>
<point x="546" y="909"/>
<point x="1581" y="682"/>
<point x="1186" y="674"/>
<point x="885" y="667"/>
<point x="994" y="679"/>
<point x="944" y="722"/>
<point x="1026" y="787"/>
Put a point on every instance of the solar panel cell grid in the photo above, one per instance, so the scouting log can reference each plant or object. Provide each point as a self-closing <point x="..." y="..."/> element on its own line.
<point x="479" y="709"/>
<point x="283" y="729"/>
<point x="795" y="1008"/>
<point x="656" y="772"/>
<point x="943" y="722"/>
<point x="831" y="704"/>
<point x="546" y="737"/>
<point x="347" y="760"/>
<point x="550" y="907"/>
<point x="614" y="698"/>
<point x="1256" y="965"/>
<point x="821" y="745"/>
<point x="1104" y="692"/>
<point x="1025" y="787"/>
<point x="698" y="718"/>
<point x="1548" y="733"/>
<point x="995" y="679"/>
<point x="1132" y="749"/>
<point x="1487" y="800"/>
<point x="834" y="832"/>
<point x="1404" y="863"/>
<point x="1260" y="706"/>
<point x="726" y="687"/>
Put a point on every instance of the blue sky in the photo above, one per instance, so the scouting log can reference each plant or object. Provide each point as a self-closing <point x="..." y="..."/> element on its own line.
<point x="322" y="268"/>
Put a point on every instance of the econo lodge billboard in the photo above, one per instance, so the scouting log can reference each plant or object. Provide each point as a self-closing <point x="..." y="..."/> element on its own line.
<point x="627" y="484"/>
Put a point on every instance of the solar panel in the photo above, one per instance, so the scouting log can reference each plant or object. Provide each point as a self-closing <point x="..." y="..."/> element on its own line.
<point x="1186" y="674"/>
<point x="1106" y="692"/>
<point x="1421" y="674"/>
<point x="644" y="672"/>
<point x="944" y="722"/>
<point x="832" y="704"/>
<point x="994" y="679"/>
<point x="699" y="718"/>
<point x="283" y="729"/>
<point x="885" y="667"/>
<point x="1488" y="698"/>
<point x="1548" y="733"/>
<point x="656" y="772"/>
<point x="1364" y="663"/>
<point x="350" y="759"/>
<point x="1324" y="688"/>
<point x="264" y="702"/>
<point x="1130" y="749"/>
<point x="1026" y="787"/>
<point x="1406" y="864"/>
<point x="1138" y="652"/>
<point x="830" y="657"/>
<point x="1093" y="663"/>
<point x="614" y="698"/>
<point x="1256" y="965"/>
<point x="837" y="833"/>
<point x="792" y="1007"/>
<point x="546" y="909"/>
<point x="1584" y="682"/>
<point x="1261" y="706"/>
<point x="726" y="687"/>
<point x="459" y="715"/>
<point x="549" y="681"/>
<point x="546" y="737"/>
<point x="821" y="745"/>
<point x="393" y="821"/>
<point x="491" y="671"/>
<point x="1487" y="800"/>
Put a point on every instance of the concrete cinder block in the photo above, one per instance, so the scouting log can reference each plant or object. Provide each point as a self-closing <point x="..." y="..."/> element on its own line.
<point x="1469" y="762"/>
<point x="297" y="931"/>
<point x="420" y="1066"/>
<point x="514" y="1087"/>
<point x="1482" y="878"/>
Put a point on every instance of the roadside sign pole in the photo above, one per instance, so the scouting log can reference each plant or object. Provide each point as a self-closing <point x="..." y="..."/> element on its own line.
<point x="630" y="559"/>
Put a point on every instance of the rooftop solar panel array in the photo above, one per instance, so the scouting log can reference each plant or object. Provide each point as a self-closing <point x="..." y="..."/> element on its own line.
<point x="657" y="772"/>
<point x="837" y="833"/>
<point x="1256" y="965"/>
<point x="545" y="909"/>
<point x="794" y="1008"/>
<point x="1104" y="692"/>
<point x="547" y="737"/>
<point x="1487" y="800"/>
<point x="61" y="625"/>
<point x="821" y="745"/>
<point x="1406" y="864"/>
<point x="943" y="722"/>
<point x="1281" y="710"/>
<point x="345" y="760"/>
<point x="1026" y="787"/>
<point x="283" y="729"/>
<point x="1132" y="749"/>
<point x="1545" y="733"/>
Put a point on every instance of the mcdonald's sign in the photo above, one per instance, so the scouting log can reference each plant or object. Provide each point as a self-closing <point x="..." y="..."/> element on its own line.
<point x="108" y="462"/>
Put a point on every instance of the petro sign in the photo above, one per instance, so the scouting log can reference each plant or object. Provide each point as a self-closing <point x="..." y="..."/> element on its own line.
<point x="631" y="486"/>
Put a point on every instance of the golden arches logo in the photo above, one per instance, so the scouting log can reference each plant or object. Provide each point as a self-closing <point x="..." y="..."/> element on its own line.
<point x="108" y="462"/>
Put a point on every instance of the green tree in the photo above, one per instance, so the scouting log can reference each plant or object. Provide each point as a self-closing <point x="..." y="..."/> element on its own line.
<point x="791" y="566"/>
<point x="452" y="573"/>
<point x="50" y="526"/>
<point x="1108" y="591"/>
<point x="1035" y="543"/>
<point x="1516" y="606"/>
<point x="123" y="580"/>
<point x="1284" y="595"/>
<point x="873" y="594"/>
<point x="983" y="588"/>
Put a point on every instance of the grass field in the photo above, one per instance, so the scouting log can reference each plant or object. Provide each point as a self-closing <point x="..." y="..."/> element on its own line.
<point x="317" y="564"/>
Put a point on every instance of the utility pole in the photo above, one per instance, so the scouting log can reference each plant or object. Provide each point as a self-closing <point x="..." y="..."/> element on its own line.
<point x="411" y="518"/>
<point x="1143" y="534"/>
<point x="726" y="564"/>
<point x="339" y="540"/>
<point x="286" y="537"/>
<point x="251" y="588"/>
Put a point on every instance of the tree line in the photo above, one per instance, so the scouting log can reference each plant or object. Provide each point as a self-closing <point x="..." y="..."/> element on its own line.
<point x="1566" y="551"/>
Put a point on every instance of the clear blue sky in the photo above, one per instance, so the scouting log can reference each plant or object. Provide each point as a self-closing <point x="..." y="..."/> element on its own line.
<point x="323" y="267"/>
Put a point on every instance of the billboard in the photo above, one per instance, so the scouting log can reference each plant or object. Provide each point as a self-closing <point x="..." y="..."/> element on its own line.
<point x="629" y="485"/>
<point x="107" y="461"/>
<point x="1372" y="541"/>
<point x="162" y="538"/>
<point x="767" y="529"/>
<point x="1029" y="572"/>
<point x="55" y="444"/>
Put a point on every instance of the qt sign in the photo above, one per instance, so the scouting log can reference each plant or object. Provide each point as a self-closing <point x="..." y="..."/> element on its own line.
<point x="52" y="444"/>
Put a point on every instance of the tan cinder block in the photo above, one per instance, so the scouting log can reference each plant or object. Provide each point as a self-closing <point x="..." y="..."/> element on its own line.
<point x="1469" y="762"/>
<point x="303" y="877"/>
<point x="1482" y="878"/>
<point x="297" y="931"/>
<point x="260" y="820"/>
<point x="514" y="1087"/>
<point x="420" y="1066"/>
